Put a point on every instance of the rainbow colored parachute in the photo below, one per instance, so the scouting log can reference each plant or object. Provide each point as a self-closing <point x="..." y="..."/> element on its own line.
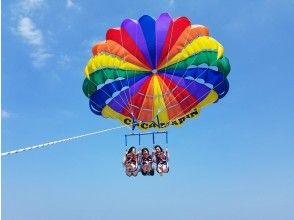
<point x="155" y="72"/>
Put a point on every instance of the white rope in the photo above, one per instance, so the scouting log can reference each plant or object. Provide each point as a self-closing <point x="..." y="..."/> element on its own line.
<point x="59" y="141"/>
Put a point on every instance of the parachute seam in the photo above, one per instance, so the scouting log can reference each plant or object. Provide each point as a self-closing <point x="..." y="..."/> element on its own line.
<point x="116" y="70"/>
<point x="103" y="90"/>
<point x="188" y="42"/>
<point x="177" y="85"/>
<point x="96" y="56"/>
<point x="167" y="58"/>
<point x="131" y="111"/>
<point x="205" y="94"/>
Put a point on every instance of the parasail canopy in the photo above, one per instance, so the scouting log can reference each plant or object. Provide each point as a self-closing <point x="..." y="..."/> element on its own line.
<point x="155" y="72"/>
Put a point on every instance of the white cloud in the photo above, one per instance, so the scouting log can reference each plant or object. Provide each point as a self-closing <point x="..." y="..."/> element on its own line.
<point x="64" y="60"/>
<point x="69" y="3"/>
<point x="27" y="6"/>
<point x="40" y="56"/>
<point x="72" y="4"/>
<point x="32" y="35"/>
<point x="67" y="113"/>
<point x="24" y="14"/>
<point x="5" y="114"/>
<point x="171" y="3"/>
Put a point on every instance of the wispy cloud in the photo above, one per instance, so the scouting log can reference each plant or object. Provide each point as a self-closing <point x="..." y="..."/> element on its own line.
<point x="5" y="114"/>
<point x="40" y="56"/>
<point x="64" y="60"/>
<point x="171" y="3"/>
<point x="26" y="28"/>
<point x="67" y="113"/>
<point x="34" y="37"/>
<point x="71" y="4"/>
<point x="27" y="6"/>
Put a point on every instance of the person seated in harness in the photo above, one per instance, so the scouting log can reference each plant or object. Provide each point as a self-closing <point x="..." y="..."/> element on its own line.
<point x="161" y="157"/>
<point x="131" y="162"/>
<point x="146" y="163"/>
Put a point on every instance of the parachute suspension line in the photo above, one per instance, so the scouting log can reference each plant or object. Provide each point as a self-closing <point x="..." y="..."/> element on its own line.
<point x="165" y="68"/>
<point x="166" y="139"/>
<point x="92" y="100"/>
<point x="207" y="92"/>
<point x="189" y="85"/>
<point x="183" y="47"/>
<point x="173" y="72"/>
<point x="129" y="106"/>
<point x="182" y="78"/>
<point x="101" y="89"/>
<point x="157" y="120"/>
<point x="129" y="109"/>
<point x="190" y="105"/>
<point x="59" y="141"/>
<point x="105" y="93"/>
<point x="169" y="43"/>
<point x="134" y="124"/>
<point x="167" y="56"/>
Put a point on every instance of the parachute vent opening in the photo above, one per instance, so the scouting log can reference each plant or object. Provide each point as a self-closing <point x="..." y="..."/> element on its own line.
<point x="213" y="68"/>
<point x="203" y="65"/>
<point x="192" y="67"/>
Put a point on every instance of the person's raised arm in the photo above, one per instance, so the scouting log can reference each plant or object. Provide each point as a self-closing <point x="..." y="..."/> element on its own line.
<point x="153" y="156"/>
<point x="167" y="154"/>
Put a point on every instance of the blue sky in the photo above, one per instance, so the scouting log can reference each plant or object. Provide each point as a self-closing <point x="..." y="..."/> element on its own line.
<point x="234" y="162"/>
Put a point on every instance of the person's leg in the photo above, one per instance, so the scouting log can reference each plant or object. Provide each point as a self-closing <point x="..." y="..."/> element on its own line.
<point x="165" y="168"/>
<point x="159" y="169"/>
<point x="152" y="172"/>
<point x="135" y="173"/>
<point x="128" y="173"/>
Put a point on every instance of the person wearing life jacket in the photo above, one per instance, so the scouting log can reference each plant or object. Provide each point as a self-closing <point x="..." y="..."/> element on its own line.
<point x="146" y="163"/>
<point x="131" y="162"/>
<point x="161" y="157"/>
